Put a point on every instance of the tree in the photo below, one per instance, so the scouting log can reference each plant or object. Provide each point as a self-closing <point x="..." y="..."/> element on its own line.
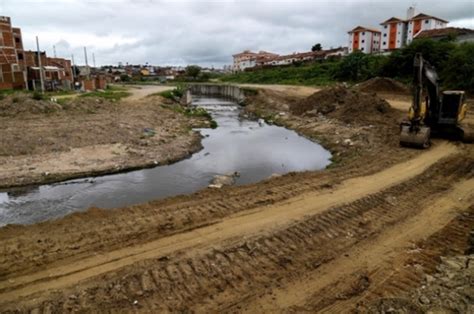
<point x="458" y="68"/>
<point x="193" y="71"/>
<point x="317" y="47"/>
<point x="358" y="66"/>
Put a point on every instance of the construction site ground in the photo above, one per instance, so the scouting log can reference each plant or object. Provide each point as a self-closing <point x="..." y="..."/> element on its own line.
<point x="384" y="228"/>
<point x="43" y="141"/>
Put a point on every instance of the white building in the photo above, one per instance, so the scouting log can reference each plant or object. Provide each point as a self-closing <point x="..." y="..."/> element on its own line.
<point x="394" y="34"/>
<point x="248" y="59"/>
<point x="422" y="22"/>
<point x="364" y="39"/>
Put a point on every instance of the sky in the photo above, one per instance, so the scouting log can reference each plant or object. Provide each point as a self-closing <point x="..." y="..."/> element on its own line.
<point x="208" y="32"/>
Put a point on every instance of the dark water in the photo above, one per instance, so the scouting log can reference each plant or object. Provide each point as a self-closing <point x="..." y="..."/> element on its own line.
<point x="254" y="150"/>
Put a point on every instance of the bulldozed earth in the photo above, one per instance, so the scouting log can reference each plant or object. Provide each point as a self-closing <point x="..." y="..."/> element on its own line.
<point x="383" y="229"/>
<point x="45" y="141"/>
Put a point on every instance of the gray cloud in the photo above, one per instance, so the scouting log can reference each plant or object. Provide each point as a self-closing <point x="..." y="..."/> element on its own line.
<point x="204" y="32"/>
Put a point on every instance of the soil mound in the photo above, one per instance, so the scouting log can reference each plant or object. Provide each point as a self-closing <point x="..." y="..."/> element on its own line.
<point x="24" y="104"/>
<point x="349" y="106"/>
<point x="17" y="104"/>
<point x="382" y="85"/>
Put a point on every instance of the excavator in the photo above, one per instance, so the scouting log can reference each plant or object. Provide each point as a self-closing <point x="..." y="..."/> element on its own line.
<point x="440" y="114"/>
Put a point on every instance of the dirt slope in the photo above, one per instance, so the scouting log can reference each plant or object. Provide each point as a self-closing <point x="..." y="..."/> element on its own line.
<point x="358" y="237"/>
<point x="232" y="263"/>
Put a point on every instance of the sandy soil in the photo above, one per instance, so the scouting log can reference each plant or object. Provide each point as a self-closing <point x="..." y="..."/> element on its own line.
<point x="141" y="91"/>
<point x="358" y="237"/>
<point x="290" y="90"/>
<point x="94" y="137"/>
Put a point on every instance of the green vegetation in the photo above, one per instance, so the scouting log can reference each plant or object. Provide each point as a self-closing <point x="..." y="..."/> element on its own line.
<point x="178" y="92"/>
<point x="113" y="93"/>
<point x="453" y="62"/>
<point x="38" y="96"/>
<point x="313" y="74"/>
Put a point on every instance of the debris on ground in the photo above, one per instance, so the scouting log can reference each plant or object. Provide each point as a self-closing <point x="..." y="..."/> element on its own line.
<point x="349" y="106"/>
<point x="220" y="181"/>
<point x="382" y="85"/>
<point x="450" y="289"/>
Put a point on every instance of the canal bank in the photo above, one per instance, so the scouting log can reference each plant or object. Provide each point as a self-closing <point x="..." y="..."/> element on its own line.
<point x="254" y="150"/>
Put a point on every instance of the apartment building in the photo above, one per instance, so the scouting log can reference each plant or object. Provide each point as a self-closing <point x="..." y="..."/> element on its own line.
<point x="249" y="59"/>
<point x="364" y="39"/>
<point x="422" y="22"/>
<point x="394" y="34"/>
<point x="12" y="68"/>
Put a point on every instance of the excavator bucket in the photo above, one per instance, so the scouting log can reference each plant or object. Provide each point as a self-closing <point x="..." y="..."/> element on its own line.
<point x="418" y="137"/>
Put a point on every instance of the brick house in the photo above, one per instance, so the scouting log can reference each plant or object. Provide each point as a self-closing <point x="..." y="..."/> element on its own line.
<point x="12" y="68"/>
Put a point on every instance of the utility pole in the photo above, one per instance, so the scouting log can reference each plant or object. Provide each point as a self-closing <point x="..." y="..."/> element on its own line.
<point x="73" y="71"/>
<point x="39" y="65"/>
<point x="54" y="50"/>
<point x="93" y="59"/>
<point x="87" y="64"/>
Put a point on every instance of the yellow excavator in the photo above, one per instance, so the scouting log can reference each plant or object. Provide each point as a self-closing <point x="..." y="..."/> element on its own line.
<point x="440" y="114"/>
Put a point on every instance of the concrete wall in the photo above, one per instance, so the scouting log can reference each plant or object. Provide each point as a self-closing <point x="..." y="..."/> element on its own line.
<point x="227" y="91"/>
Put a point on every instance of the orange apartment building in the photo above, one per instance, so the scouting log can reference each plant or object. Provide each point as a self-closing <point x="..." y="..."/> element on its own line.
<point x="364" y="39"/>
<point x="12" y="66"/>
<point x="395" y="34"/>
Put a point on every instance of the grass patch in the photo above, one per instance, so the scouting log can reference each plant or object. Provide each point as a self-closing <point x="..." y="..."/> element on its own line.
<point x="314" y="74"/>
<point x="109" y="94"/>
<point x="172" y="94"/>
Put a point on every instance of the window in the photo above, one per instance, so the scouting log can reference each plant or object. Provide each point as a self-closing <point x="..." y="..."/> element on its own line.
<point x="20" y="56"/>
<point x="384" y="43"/>
<point x="385" y="27"/>
<point x="363" y="33"/>
<point x="363" y="41"/>
<point x="385" y="35"/>
<point x="17" y="40"/>
<point x="427" y="21"/>
<point x="362" y="49"/>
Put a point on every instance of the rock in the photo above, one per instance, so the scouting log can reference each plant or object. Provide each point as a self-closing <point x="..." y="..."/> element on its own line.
<point x="429" y="278"/>
<point x="424" y="300"/>
<point x="220" y="181"/>
<point x="348" y="142"/>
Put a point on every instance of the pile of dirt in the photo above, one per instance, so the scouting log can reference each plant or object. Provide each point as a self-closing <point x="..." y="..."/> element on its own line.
<point x="349" y="106"/>
<point x="382" y="85"/>
<point x="17" y="104"/>
<point x="23" y="103"/>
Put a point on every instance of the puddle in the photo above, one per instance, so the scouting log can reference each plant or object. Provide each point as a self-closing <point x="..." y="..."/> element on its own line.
<point x="254" y="150"/>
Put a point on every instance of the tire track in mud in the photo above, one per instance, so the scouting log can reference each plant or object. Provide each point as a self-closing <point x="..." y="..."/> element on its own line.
<point x="228" y="277"/>
<point x="395" y="279"/>
<point x="101" y="230"/>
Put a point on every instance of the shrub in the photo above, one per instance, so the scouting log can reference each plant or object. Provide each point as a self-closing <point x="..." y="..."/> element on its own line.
<point x="37" y="96"/>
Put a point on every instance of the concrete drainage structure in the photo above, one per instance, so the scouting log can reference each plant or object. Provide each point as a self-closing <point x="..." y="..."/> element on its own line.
<point x="226" y="91"/>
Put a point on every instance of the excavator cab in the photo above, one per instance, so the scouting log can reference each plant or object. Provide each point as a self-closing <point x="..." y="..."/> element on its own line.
<point x="453" y="108"/>
<point x="440" y="114"/>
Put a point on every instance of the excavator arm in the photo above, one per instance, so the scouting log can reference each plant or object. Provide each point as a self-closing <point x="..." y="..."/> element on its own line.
<point x="416" y="131"/>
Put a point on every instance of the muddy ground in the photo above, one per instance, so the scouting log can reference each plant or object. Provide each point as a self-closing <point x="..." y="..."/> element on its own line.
<point x="365" y="235"/>
<point x="43" y="141"/>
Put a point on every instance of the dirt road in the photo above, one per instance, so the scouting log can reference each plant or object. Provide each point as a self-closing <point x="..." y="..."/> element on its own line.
<point x="142" y="91"/>
<point x="263" y="258"/>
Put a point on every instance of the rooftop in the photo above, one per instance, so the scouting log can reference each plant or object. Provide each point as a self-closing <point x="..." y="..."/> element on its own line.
<point x="443" y="32"/>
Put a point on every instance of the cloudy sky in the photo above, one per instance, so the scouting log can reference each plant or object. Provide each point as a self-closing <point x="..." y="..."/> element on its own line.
<point x="204" y="32"/>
